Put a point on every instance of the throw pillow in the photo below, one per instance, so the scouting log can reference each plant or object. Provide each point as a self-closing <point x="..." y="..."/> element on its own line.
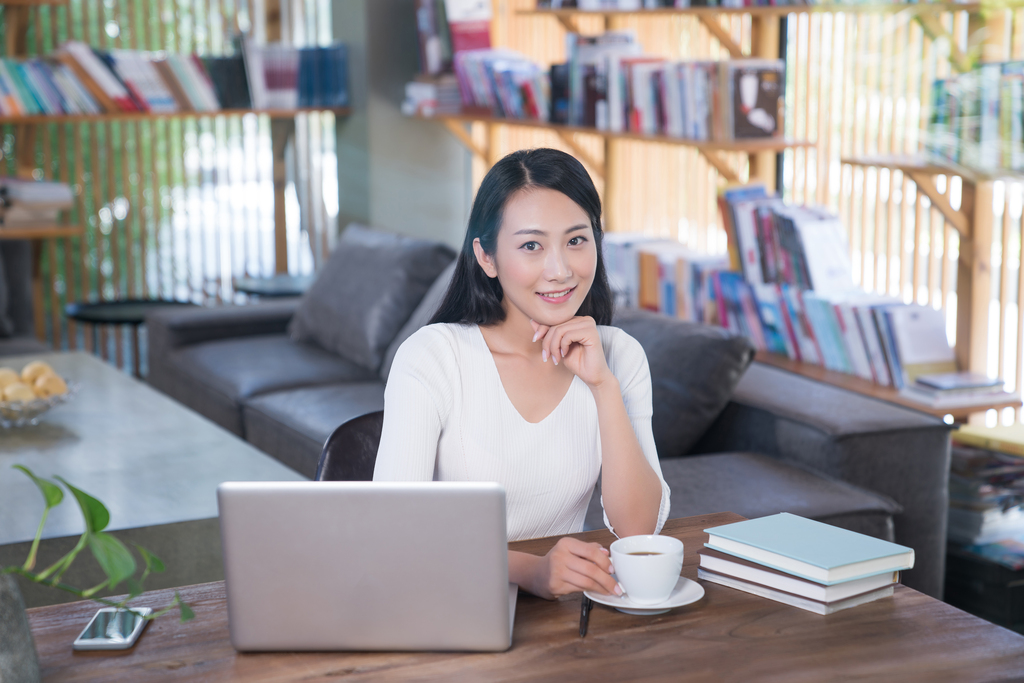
<point x="694" y="369"/>
<point x="365" y="293"/>
<point x="420" y="317"/>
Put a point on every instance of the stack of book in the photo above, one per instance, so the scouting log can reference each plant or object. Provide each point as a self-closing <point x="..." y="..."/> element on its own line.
<point x="986" y="488"/>
<point x="613" y="86"/>
<point x="78" y="79"/>
<point x="32" y="203"/>
<point x="504" y="83"/>
<point x="803" y="563"/>
<point x="977" y="118"/>
<point x="957" y="390"/>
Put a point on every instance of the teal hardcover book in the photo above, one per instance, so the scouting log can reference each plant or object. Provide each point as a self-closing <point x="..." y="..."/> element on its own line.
<point x="811" y="550"/>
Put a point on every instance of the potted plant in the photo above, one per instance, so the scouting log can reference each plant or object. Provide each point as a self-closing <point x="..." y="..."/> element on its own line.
<point x="17" y="651"/>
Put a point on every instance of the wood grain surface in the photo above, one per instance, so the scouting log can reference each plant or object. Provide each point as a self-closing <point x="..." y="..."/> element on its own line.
<point x="727" y="636"/>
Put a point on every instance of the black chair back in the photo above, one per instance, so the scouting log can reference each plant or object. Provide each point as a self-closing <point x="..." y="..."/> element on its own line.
<point x="351" y="450"/>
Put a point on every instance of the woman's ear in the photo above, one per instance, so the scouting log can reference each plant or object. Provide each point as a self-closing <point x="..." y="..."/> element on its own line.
<point x="485" y="260"/>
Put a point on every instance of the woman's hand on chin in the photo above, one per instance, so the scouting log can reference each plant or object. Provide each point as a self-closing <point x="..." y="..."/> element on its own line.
<point x="577" y="344"/>
<point x="573" y="566"/>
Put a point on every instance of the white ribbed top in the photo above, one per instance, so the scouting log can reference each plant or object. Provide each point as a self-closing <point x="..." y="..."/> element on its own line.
<point x="447" y="418"/>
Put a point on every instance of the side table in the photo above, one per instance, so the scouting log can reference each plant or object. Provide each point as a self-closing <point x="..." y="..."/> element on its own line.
<point x="119" y="312"/>
<point x="274" y="286"/>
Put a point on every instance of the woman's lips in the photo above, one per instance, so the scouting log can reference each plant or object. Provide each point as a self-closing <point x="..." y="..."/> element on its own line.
<point x="566" y="294"/>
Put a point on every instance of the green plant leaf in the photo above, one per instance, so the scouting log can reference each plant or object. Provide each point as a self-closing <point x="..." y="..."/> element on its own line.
<point x="186" y="611"/>
<point x="96" y="515"/>
<point x="134" y="588"/>
<point x="153" y="563"/>
<point x="113" y="556"/>
<point x="51" y="492"/>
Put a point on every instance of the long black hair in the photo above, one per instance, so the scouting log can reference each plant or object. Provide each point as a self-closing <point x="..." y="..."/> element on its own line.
<point x="472" y="296"/>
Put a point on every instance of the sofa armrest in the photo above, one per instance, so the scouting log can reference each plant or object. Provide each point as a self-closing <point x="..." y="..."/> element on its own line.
<point x="172" y="328"/>
<point x="885" y="448"/>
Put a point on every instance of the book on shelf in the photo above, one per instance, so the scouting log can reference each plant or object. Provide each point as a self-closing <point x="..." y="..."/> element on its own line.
<point x="78" y="79"/>
<point x="976" y="118"/>
<point x="28" y="203"/>
<point x="503" y="82"/>
<point x="469" y="24"/>
<point x="986" y="493"/>
<point x="614" y="86"/>
<point x="809" y="549"/>
<point x="434" y="38"/>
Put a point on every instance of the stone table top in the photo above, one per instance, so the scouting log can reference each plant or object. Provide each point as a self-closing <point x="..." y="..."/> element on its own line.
<point x="149" y="459"/>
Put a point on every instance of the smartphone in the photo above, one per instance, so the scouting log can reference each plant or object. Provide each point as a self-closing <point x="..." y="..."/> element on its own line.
<point x="113" y="629"/>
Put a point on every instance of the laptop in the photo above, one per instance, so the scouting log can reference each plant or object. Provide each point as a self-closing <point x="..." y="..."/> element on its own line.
<point x="366" y="566"/>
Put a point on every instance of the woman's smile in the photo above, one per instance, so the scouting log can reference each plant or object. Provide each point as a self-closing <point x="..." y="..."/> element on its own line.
<point x="559" y="297"/>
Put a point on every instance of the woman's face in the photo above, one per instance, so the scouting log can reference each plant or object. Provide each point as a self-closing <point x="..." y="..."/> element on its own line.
<point x="545" y="257"/>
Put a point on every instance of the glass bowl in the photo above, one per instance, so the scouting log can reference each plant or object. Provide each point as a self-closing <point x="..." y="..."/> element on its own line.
<point x="24" y="413"/>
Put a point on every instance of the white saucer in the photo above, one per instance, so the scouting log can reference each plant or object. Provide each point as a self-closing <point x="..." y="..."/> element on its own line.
<point x="685" y="592"/>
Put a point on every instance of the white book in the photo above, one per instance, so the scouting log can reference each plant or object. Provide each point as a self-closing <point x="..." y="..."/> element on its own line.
<point x="795" y="600"/>
<point x="96" y="69"/>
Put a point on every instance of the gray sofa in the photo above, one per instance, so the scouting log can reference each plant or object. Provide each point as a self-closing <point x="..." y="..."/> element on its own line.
<point x="17" y="333"/>
<point x="752" y="440"/>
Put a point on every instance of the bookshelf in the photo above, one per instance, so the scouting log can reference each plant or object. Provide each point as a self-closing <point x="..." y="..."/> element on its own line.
<point x="863" y="386"/>
<point x="26" y="128"/>
<point x="41" y="232"/>
<point x="712" y="150"/>
<point x="143" y="116"/>
<point x="973" y="220"/>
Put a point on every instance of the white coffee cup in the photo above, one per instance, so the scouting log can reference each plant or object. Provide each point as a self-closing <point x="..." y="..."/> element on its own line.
<point x="647" y="567"/>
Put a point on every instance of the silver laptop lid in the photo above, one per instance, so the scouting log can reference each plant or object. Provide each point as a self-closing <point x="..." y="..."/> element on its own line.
<point x="366" y="565"/>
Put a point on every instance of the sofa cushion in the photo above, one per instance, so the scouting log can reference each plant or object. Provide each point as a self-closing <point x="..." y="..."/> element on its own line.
<point x="694" y="369"/>
<point x="214" y="378"/>
<point x="365" y="293"/>
<point x="756" y="485"/>
<point x="420" y="317"/>
<point x="293" y="425"/>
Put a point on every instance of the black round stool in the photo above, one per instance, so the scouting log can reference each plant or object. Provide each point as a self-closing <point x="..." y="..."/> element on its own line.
<point x="119" y="312"/>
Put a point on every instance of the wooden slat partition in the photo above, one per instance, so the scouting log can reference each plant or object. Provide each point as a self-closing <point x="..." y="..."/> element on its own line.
<point x="172" y="206"/>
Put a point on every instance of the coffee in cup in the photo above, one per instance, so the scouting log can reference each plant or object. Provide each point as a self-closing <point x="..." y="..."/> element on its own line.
<point x="648" y="567"/>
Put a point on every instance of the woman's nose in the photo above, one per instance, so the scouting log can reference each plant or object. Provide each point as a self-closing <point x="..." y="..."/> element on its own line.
<point x="556" y="266"/>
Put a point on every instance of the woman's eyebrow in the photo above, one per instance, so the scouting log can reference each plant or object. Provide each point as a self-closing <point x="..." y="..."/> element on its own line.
<point x="542" y="233"/>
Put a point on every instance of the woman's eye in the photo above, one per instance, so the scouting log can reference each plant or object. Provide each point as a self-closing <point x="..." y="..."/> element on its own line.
<point x="531" y="246"/>
<point x="576" y="241"/>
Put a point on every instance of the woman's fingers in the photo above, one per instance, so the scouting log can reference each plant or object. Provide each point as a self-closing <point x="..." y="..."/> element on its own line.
<point x="588" y="576"/>
<point x="577" y="566"/>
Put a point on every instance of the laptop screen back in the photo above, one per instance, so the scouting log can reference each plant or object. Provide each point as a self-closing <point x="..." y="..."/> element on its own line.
<point x="365" y="565"/>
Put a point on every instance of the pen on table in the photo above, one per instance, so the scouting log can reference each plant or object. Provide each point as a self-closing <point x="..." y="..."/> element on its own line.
<point x="585" y="606"/>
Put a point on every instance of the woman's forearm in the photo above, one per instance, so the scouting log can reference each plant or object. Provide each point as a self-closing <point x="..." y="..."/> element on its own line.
<point x="630" y="488"/>
<point x="522" y="570"/>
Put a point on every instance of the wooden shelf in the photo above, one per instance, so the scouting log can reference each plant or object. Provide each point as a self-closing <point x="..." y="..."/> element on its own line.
<point x="142" y="116"/>
<point x="778" y="11"/>
<point x="923" y="164"/>
<point x="750" y="146"/>
<point x="862" y="386"/>
<point x="41" y="232"/>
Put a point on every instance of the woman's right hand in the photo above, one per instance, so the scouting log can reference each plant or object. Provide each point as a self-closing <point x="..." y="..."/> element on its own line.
<point x="573" y="566"/>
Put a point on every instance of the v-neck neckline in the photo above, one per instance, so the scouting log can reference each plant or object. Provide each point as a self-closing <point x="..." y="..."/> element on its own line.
<point x="504" y="393"/>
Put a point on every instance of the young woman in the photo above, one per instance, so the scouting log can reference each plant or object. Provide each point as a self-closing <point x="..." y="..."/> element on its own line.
<point x="520" y="380"/>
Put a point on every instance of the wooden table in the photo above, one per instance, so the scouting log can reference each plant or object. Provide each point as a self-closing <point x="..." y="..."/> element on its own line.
<point x="727" y="636"/>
